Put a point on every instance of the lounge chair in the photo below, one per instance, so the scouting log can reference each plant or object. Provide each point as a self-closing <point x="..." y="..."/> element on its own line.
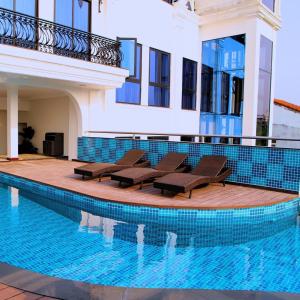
<point x="172" y="162"/>
<point x="130" y="159"/>
<point x="210" y="169"/>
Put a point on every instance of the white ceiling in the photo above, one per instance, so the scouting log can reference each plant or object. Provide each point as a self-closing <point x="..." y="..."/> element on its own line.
<point x="29" y="93"/>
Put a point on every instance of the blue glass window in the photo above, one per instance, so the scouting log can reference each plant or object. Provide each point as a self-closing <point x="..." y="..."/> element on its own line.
<point x="64" y="12"/>
<point x="130" y="92"/>
<point x="75" y="14"/>
<point x="27" y="7"/>
<point x="159" y="79"/>
<point x="8" y="4"/>
<point x="222" y="86"/>
<point x="264" y="88"/>
<point x="270" y="4"/>
<point x="189" y="84"/>
<point x="24" y="33"/>
<point x="128" y="48"/>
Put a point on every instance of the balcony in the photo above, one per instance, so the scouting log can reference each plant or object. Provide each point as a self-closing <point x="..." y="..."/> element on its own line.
<point x="36" y="52"/>
<point x="28" y="32"/>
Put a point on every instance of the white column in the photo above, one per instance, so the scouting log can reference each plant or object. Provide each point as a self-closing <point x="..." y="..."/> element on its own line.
<point x="73" y="132"/>
<point x="145" y="75"/>
<point x="12" y="123"/>
<point x="251" y="85"/>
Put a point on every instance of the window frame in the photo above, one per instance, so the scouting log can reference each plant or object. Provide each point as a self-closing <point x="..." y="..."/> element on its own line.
<point x="133" y="79"/>
<point x="188" y="90"/>
<point x="204" y="70"/>
<point x="159" y="85"/>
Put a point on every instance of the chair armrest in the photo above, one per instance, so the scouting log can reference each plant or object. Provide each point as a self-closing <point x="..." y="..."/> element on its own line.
<point x="226" y="172"/>
<point x="183" y="169"/>
<point x="142" y="164"/>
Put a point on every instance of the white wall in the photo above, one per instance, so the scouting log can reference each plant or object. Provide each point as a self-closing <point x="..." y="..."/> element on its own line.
<point x="49" y="115"/>
<point x="2" y="132"/>
<point x="286" y="125"/>
<point x="158" y="25"/>
<point x="23" y="117"/>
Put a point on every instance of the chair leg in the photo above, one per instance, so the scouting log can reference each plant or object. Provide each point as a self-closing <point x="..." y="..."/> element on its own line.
<point x="99" y="178"/>
<point x="141" y="185"/>
<point x="120" y="183"/>
<point x="223" y="183"/>
<point x="162" y="191"/>
<point x="190" y="195"/>
<point x="83" y="177"/>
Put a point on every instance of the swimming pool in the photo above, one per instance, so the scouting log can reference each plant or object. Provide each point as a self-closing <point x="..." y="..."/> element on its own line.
<point x="141" y="247"/>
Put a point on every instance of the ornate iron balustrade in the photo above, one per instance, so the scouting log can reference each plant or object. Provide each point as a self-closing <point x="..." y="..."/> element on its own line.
<point x="24" y="31"/>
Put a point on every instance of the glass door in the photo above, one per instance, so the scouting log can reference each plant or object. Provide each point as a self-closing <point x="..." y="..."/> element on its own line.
<point x="74" y="14"/>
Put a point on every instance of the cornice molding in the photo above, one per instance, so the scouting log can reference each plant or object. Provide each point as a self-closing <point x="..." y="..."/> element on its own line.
<point x="215" y="11"/>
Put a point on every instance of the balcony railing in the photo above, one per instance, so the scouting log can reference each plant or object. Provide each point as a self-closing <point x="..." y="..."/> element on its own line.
<point x="24" y="31"/>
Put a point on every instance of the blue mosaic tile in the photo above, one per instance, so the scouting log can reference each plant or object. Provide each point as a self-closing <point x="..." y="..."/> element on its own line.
<point x="267" y="167"/>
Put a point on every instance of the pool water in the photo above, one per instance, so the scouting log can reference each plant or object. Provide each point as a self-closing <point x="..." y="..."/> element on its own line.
<point x="44" y="236"/>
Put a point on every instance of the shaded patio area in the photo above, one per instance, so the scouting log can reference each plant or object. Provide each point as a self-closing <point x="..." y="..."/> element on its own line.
<point x="59" y="173"/>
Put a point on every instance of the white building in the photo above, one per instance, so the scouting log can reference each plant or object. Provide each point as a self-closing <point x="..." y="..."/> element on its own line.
<point x="204" y="64"/>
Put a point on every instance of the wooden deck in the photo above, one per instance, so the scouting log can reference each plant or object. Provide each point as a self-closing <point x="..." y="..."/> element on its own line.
<point x="59" y="173"/>
<point x="11" y="293"/>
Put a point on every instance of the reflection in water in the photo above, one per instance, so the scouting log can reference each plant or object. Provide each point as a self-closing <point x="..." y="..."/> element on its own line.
<point x="14" y="197"/>
<point x="162" y="233"/>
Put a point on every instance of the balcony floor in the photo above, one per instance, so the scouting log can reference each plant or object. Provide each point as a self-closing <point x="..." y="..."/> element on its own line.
<point x="59" y="173"/>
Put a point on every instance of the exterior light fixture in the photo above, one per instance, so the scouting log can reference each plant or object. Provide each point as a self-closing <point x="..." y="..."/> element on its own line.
<point x="99" y="5"/>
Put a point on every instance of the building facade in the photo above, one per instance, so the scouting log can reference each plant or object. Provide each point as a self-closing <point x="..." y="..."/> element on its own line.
<point x="189" y="67"/>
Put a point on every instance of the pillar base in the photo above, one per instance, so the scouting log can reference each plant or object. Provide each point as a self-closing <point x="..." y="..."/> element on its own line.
<point x="12" y="158"/>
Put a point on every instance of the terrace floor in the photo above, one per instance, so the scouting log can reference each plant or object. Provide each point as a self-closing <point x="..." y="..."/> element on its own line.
<point x="59" y="173"/>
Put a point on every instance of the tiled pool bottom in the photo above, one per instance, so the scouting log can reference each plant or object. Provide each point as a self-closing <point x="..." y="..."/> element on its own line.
<point x="48" y="237"/>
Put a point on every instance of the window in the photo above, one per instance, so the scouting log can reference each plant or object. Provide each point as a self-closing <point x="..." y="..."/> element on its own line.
<point x="130" y="92"/>
<point x="189" y="84"/>
<point x="207" y="88"/>
<point x="159" y="79"/>
<point x="270" y="4"/>
<point x="264" y="88"/>
<point x="73" y="13"/>
<point x="25" y="34"/>
<point x="222" y="86"/>
<point x="28" y="7"/>
<point x="128" y="47"/>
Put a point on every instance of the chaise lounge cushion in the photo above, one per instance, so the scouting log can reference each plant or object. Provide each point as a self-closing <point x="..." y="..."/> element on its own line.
<point x="172" y="162"/>
<point x="130" y="159"/>
<point x="180" y="184"/>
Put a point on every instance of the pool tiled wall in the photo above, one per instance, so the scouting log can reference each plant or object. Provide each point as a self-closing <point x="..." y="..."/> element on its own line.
<point x="153" y="214"/>
<point x="277" y="168"/>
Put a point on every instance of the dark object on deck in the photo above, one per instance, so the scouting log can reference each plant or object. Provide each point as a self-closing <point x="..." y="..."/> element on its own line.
<point x="210" y="169"/>
<point x="53" y="145"/>
<point x="26" y="145"/>
<point x="130" y="159"/>
<point x="172" y="162"/>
